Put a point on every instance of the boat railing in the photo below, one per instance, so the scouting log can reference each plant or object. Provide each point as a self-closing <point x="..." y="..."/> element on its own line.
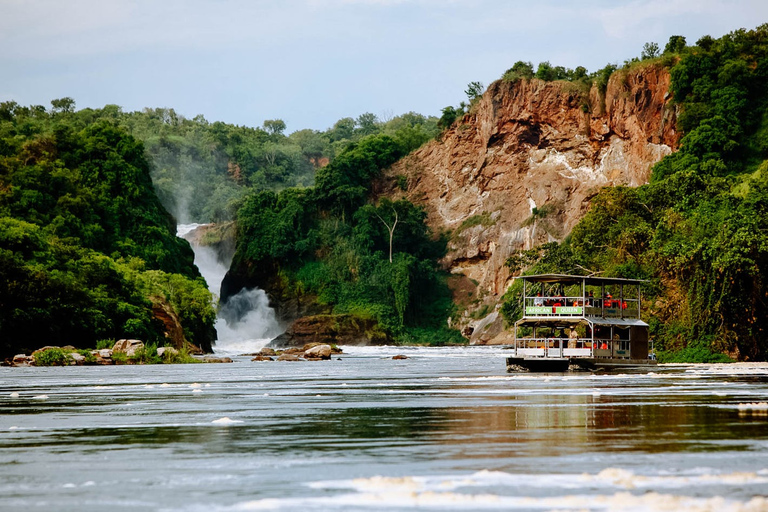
<point x="613" y="349"/>
<point x="567" y="347"/>
<point x="553" y="347"/>
<point x="559" y="307"/>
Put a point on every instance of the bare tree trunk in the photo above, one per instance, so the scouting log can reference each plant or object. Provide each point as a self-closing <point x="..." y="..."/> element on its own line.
<point x="391" y="231"/>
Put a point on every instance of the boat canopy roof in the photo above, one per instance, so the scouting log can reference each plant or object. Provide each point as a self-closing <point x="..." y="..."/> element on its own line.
<point x="618" y="322"/>
<point x="565" y="321"/>
<point x="588" y="280"/>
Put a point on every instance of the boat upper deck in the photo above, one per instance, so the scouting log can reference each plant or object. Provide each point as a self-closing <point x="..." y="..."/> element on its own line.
<point x="548" y="297"/>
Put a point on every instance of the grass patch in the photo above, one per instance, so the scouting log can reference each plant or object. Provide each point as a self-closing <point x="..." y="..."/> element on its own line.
<point x="102" y="344"/>
<point x="89" y="358"/>
<point x="482" y="312"/>
<point x="145" y="355"/>
<point x="181" y="356"/>
<point x="119" y="358"/>
<point x="482" y="219"/>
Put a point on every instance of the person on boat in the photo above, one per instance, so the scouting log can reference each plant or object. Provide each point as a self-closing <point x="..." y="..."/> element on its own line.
<point x="608" y="300"/>
<point x="573" y="338"/>
<point x="538" y="300"/>
<point x="590" y="299"/>
<point x="603" y="345"/>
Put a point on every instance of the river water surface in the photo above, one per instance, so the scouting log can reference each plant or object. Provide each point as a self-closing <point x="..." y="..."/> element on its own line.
<point x="446" y="429"/>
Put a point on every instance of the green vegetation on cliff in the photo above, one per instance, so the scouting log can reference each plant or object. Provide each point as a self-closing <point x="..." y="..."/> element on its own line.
<point x="699" y="231"/>
<point x="331" y="246"/>
<point x="202" y="170"/>
<point x="85" y="245"/>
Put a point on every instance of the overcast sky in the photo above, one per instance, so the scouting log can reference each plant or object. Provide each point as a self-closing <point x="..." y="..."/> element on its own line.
<point x="311" y="62"/>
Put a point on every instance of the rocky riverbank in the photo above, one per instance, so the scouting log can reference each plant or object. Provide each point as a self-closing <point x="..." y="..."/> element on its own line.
<point x="125" y="351"/>
<point x="309" y="352"/>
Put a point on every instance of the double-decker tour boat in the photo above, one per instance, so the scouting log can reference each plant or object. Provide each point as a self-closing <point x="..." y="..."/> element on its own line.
<point x="579" y="321"/>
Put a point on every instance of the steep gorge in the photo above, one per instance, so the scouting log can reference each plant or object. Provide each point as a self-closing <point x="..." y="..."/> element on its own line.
<point x="520" y="169"/>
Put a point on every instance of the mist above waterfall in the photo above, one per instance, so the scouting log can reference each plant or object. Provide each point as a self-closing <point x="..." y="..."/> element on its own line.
<point x="245" y="322"/>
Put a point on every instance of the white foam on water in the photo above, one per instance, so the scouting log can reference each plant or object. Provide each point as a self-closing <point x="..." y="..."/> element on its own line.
<point x="757" y="406"/>
<point x="452" y="492"/>
<point x="431" y="500"/>
<point x="609" y="477"/>
<point x="226" y="421"/>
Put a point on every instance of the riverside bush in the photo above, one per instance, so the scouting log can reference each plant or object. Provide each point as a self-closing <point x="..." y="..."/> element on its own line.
<point x="181" y="356"/>
<point x="145" y="355"/>
<point x="52" y="357"/>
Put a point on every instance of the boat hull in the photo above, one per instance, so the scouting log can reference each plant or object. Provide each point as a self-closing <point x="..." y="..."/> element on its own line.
<point x="592" y="363"/>
<point x="539" y="364"/>
<point x="563" y="364"/>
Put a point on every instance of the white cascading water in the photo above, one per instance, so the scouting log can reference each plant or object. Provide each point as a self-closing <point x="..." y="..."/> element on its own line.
<point x="246" y="322"/>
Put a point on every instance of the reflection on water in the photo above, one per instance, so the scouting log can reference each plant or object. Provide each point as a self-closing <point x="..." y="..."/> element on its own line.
<point x="444" y="429"/>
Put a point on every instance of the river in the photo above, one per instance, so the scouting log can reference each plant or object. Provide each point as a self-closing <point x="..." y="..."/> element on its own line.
<point x="446" y="429"/>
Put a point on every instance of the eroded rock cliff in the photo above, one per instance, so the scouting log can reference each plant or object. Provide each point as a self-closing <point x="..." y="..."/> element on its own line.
<point x="520" y="169"/>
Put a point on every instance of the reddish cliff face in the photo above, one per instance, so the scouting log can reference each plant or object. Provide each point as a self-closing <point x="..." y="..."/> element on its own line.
<point x="520" y="171"/>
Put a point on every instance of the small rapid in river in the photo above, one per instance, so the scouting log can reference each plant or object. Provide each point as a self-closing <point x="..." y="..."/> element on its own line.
<point x="245" y="322"/>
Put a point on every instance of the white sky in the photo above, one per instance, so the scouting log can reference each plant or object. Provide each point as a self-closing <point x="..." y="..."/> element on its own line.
<point x="311" y="62"/>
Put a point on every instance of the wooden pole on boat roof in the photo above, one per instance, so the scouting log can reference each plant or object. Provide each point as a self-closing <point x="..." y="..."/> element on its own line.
<point x="602" y="299"/>
<point x="524" y="297"/>
<point x="621" y="300"/>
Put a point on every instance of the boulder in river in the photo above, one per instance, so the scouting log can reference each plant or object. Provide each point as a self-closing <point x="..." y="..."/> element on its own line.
<point x="215" y="359"/>
<point x="77" y="359"/>
<point x="319" y="352"/>
<point x="103" y="356"/>
<point x="21" y="360"/>
<point x="128" y="347"/>
<point x="288" y="357"/>
<point x="400" y="356"/>
<point x="262" y="358"/>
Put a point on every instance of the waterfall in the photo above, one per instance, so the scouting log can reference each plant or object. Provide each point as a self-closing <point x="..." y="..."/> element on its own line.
<point x="246" y="322"/>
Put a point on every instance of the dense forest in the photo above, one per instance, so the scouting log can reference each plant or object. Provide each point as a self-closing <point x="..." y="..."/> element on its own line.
<point x="86" y="248"/>
<point x="697" y="232"/>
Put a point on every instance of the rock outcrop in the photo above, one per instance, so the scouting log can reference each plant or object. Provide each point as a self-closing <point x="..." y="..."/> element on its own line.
<point x="521" y="169"/>
<point x="330" y="329"/>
